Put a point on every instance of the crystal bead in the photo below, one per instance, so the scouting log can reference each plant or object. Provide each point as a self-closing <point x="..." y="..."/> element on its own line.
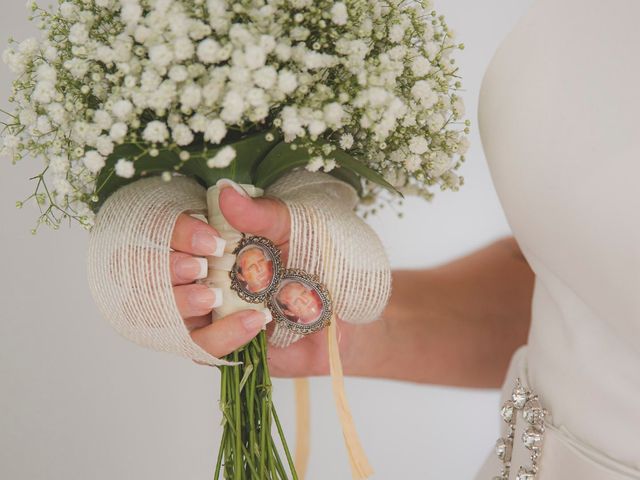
<point x="503" y="449"/>
<point x="519" y="395"/>
<point x="533" y="412"/>
<point x="507" y="411"/>
<point x="525" y="474"/>
<point x="533" y="437"/>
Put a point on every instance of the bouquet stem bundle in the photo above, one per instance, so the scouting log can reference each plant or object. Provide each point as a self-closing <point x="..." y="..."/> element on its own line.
<point x="248" y="449"/>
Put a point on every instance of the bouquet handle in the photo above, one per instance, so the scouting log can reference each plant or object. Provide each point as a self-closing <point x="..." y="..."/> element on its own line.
<point x="219" y="267"/>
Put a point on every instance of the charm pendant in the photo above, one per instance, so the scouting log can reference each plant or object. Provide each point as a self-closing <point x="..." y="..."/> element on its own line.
<point x="525" y="402"/>
<point x="258" y="269"/>
<point x="300" y="303"/>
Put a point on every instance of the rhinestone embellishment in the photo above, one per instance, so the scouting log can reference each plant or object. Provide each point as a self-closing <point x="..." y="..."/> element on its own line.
<point x="525" y="402"/>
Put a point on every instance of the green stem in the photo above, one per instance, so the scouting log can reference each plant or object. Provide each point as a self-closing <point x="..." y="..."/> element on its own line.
<point x="248" y="450"/>
<point x="284" y="443"/>
<point x="266" y="405"/>
<point x="238" y="425"/>
<point x="216" y="475"/>
<point x="250" y="404"/>
<point x="225" y="433"/>
<point x="278" y="462"/>
<point x="263" y="437"/>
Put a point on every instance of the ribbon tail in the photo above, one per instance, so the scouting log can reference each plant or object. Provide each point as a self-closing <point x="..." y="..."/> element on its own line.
<point x="360" y="467"/>
<point x="303" y="426"/>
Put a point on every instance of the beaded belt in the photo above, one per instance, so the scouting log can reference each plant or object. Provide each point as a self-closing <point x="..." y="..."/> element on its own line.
<point x="519" y="452"/>
<point x="525" y="402"/>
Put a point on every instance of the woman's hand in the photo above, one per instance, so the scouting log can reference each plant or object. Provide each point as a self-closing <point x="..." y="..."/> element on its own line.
<point x="192" y="240"/>
<point x="457" y="324"/>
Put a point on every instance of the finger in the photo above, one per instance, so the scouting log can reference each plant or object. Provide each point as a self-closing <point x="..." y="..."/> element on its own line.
<point x="197" y="322"/>
<point x="197" y="299"/>
<point x="229" y="333"/>
<point x="309" y="356"/>
<point x="265" y="216"/>
<point x="196" y="237"/>
<point x="185" y="268"/>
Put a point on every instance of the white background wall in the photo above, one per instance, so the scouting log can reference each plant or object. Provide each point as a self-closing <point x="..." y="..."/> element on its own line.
<point x="79" y="402"/>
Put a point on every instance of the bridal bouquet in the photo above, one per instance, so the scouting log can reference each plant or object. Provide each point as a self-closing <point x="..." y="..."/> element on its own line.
<point x="118" y="90"/>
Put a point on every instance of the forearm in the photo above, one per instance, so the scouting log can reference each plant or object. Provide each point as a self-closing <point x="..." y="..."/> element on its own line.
<point x="456" y="324"/>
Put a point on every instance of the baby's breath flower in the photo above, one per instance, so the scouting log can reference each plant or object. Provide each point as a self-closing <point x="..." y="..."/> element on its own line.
<point x="287" y="81"/>
<point x="346" y="141"/>
<point x="118" y="131"/>
<point x="155" y="132"/>
<point x="418" y="145"/>
<point x="124" y="168"/>
<point x="339" y="14"/>
<point x="315" y="164"/>
<point x="182" y="135"/>
<point x="122" y="109"/>
<point x="208" y="50"/>
<point x="223" y="158"/>
<point x="374" y="78"/>
<point x="105" y="146"/>
<point x="214" y="131"/>
<point x="93" y="161"/>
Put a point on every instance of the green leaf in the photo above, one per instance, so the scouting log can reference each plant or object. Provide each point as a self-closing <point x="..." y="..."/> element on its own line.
<point x="345" y="160"/>
<point x="283" y="159"/>
<point x="349" y="177"/>
<point x="145" y="165"/>
<point x="279" y="161"/>
<point x="249" y="152"/>
<point x="247" y="371"/>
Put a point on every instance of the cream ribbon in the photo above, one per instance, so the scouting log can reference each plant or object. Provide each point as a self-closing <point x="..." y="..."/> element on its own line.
<point x="360" y="467"/>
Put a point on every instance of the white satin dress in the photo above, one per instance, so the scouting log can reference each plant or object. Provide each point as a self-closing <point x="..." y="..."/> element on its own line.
<point x="560" y="125"/>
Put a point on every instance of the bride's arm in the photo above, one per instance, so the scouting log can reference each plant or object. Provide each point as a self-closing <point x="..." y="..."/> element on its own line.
<point x="456" y="324"/>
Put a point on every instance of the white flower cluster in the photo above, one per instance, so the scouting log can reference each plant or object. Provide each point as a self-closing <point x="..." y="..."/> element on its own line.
<point x="375" y="78"/>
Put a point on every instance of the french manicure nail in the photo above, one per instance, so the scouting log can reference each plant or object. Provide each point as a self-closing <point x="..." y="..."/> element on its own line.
<point x="209" y="298"/>
<point x="225" y="182"/>
<point x="268" y="317"/>
<point x="221" y="244"/>
<point x="257" y="319"/>
<point x="218" y="293"/>
<point x="208" y="244"/>
<point x="192" y="268"/>
<point x="199" y="216"/>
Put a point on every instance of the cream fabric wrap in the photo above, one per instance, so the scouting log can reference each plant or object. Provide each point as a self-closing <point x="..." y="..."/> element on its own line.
<point x="129" y="247"/>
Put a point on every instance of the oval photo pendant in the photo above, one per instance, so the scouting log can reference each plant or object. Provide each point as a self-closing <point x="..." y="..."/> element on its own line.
<point x="258" y="269"/>
<point x="301" y="303"/>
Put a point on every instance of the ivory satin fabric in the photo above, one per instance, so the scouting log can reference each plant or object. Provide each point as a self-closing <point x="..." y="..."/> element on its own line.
<point x="559" y="123"/>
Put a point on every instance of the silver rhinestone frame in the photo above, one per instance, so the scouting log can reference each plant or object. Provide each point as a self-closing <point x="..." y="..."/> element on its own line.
<point x="278" y="269"/>
<point x="325" y="297"/>
<point x="525" y="402"/>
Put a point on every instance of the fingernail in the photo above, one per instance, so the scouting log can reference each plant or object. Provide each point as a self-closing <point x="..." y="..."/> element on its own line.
<point x="225" y="182"/>
<point x="209" y="298"/>
<point x="208" y="244"/>
<point x="268" y="317"/>
<point x="192" y="267"/>
<point x="199" y="216"/>
<point x="256" y="320"/>
<point x="218" y="293"/>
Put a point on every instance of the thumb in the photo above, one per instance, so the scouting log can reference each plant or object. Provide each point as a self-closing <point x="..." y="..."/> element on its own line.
<point x="264" y="216"/>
